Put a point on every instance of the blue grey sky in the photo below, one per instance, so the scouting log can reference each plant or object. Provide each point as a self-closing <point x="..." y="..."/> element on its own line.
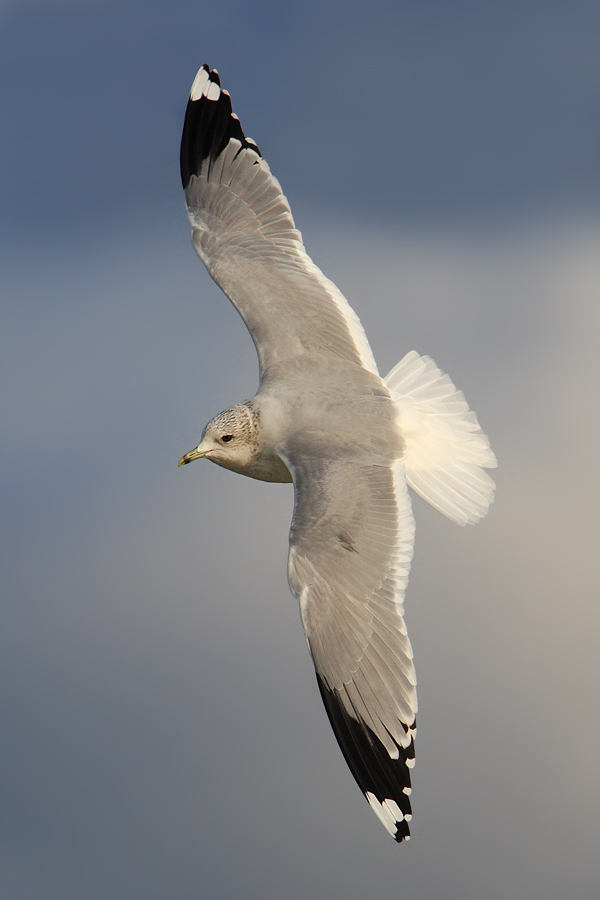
<point x="162" y="731"/>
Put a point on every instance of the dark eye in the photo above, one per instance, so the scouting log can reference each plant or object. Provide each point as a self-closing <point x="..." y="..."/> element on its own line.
<point x="226" y="438"/>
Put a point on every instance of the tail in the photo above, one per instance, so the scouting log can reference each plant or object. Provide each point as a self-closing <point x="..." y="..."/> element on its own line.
<point x="446" y="450"/>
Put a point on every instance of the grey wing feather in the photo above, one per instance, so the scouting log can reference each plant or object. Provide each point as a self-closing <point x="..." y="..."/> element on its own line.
<point x="351" y="545"/>
<point x="244" y="232"/>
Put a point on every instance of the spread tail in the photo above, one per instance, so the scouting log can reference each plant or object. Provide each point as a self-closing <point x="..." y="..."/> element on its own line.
<point x="446" y="450"/>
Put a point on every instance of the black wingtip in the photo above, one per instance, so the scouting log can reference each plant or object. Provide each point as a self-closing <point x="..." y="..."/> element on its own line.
<point x="384" y="781"/>
<point x="209" y="124"/>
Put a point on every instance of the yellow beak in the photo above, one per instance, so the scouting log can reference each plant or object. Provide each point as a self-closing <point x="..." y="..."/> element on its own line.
<point x="197" y="453"/>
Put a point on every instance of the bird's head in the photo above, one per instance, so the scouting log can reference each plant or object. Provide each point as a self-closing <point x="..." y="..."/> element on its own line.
<point x="229" y="440"/>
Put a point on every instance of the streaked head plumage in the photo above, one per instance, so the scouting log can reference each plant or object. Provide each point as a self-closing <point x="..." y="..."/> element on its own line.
<point x="230" y="439"/>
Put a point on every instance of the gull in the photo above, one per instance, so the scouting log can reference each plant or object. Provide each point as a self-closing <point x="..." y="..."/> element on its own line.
<point x="350" y="441"/>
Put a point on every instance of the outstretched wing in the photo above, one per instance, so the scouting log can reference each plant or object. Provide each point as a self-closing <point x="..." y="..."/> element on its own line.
<point x="244" y="233"/>
<point x="351" y="544"/>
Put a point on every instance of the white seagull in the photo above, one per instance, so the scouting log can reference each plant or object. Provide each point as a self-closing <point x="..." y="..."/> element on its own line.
<point x="349" y="440"/>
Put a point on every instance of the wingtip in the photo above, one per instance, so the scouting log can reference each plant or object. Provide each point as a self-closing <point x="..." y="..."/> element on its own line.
<point x="202" y="76"/>
<point x="206" y="84"/>
<point x="383" y="780"/>
<point x="209" y="124"/>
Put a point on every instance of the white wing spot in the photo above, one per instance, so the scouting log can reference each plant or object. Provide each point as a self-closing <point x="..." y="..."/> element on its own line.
<point x="407" y="791"/>
<point x="382" y="813"/>
<point x="198" y="85"/>
<point x="395" y="810"/>
<point x="213" y="92"/>
<point x="410" y="763"/>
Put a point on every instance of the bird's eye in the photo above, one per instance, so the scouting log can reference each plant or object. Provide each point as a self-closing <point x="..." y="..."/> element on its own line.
<point x="226" y="438"/>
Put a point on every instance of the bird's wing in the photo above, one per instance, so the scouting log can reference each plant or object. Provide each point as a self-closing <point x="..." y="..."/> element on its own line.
<point x="351" y="543"/>
<point x="244" y="233"/>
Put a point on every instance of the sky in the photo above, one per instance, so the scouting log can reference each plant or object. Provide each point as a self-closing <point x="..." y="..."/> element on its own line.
<point x="162" y="732"/>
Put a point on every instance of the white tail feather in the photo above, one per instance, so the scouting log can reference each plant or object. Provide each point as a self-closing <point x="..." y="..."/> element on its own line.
<point x="446" y="450"/>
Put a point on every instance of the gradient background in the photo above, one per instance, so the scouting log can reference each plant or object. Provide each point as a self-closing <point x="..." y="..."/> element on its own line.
<point x="162" y="734"/>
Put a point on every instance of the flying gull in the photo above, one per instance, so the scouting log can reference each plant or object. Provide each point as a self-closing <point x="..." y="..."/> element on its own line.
<point x="349" y="440"/>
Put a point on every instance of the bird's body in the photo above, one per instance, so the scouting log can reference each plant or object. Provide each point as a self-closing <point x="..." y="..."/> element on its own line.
<point x="306" y="403"/>
<point x="349" y="440"/>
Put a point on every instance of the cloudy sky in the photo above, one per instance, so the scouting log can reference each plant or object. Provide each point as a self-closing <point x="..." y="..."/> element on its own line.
<point x="162" y="734"/>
